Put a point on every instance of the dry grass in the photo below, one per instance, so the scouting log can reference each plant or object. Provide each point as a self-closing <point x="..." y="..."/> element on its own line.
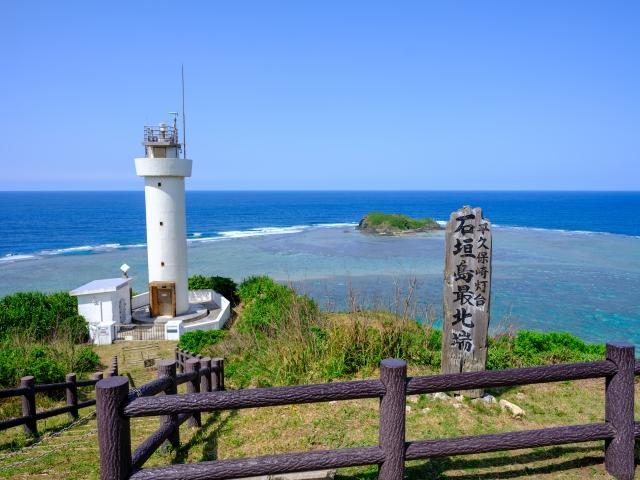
<point x="243" y="433"/>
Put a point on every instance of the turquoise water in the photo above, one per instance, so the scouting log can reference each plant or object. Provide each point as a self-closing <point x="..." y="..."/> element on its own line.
<point x="543" y="280"/>
<point x="546" y="275"/>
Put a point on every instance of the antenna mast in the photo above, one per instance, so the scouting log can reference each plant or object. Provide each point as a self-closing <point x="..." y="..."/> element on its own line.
<point x="184" y="121"/>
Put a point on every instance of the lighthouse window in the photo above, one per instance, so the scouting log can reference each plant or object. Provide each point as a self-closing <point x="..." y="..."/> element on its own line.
<point x="161" y="223"/>
<point x="162" y="264"/>
<point x="159" y="184"/>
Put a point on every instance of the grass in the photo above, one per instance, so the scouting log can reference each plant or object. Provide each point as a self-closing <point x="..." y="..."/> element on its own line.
<point x="282" y="338"/>
<point x="252" y="432"/>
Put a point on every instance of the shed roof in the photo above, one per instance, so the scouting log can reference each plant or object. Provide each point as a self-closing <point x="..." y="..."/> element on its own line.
<point x="100" y="286"/>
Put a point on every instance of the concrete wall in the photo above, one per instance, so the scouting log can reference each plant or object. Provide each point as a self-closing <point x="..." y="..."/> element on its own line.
<point x="211" y="323"/>
<point x="175" y="328"/>
<point x="167" y="235"/>
<point x="105" y="308"/>
<point x="166" y="222"/>
<point x="141" y="300"/>
<point x="96" y="308"/>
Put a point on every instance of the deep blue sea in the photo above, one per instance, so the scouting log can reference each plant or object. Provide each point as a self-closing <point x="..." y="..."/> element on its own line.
<point x="36" y="222"/>
<point x="562" y="260"/>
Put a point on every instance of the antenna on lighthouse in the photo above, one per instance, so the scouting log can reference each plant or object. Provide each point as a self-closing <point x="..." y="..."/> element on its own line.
<point x="184" y="121"/>
<point x="175" y="126"/>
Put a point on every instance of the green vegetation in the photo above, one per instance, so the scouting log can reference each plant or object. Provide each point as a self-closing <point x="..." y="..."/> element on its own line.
<point x="525" y="349"/>
<point x="391" y="223"/>
<point x="267" y="306"/>
<point x="223" y="285"/>
<point x="195" y="341"/>
<point x="41" y="316"/>
<point x="48" y="363"/>
<point x="282" y="338"/>
<point x="38" y="336"/>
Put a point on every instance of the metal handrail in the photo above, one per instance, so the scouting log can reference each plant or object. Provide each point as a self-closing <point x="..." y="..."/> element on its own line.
<point x="164" y="134"/>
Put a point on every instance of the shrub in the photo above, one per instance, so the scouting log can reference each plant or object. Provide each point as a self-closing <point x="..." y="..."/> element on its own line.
<point x="267" y="306"/>
<point x="43" y="366"/>
<point x="527" y="348"/>
<point x="331" y="347"/>
<point x="41" y="316"/>
<point x="17" y="362"/>
<point x="197" y="340"/>
<point x="11" y="360"/>
<point x="48" y="363"/>
<point x="86" y="360"/>
<point x="281" y="338"/>
<point x="257" y="287"/>
<point x="223" y="285"/>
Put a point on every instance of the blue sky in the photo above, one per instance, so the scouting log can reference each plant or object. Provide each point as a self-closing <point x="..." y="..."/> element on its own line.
<point x="325" y="95"/>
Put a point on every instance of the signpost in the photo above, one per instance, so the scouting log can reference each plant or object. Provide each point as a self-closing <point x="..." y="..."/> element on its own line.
<point x="467" y="293"/>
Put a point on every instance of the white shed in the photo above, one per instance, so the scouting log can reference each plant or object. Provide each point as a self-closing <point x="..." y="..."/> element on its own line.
<point x="104" y="303"/>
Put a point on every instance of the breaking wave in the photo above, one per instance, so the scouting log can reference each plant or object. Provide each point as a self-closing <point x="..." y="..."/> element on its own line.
<point x="200" y="237"/>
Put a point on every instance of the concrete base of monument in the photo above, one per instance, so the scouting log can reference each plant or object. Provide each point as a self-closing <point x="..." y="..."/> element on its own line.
<point x="197" y="311"/>
<point x="208" y="310"/>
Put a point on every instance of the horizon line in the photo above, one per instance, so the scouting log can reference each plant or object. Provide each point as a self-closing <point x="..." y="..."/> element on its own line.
<point x="328" y="190"/>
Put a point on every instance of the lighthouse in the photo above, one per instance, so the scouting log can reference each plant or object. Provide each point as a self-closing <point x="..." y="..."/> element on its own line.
<point x="164" y="173"/>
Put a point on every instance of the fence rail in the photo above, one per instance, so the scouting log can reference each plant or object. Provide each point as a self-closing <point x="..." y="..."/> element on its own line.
<point x="131" y="332"/>
<point x="165" y="134"/>
<point x="200" y="374"/>
<point x="28" y="389"/>
<point x="116" y="406"/>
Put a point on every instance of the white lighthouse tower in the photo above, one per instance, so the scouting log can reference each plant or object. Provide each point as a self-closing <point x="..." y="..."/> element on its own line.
<point x="164" y="173"/>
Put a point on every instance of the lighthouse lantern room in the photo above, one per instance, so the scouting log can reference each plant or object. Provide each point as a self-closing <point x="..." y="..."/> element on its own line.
<point x="164" y="191"/>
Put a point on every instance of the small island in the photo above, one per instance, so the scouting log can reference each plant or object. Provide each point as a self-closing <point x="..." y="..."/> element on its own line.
<point x="395" y="224"/>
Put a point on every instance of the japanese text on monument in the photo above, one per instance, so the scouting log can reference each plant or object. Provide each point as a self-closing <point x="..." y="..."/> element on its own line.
<point x="467" y="288"/>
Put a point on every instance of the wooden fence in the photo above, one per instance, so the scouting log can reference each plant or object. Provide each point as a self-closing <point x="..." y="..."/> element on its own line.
<point x="28" y="389"/>
<point x="116" y="405"/>
<point x="217" y="365"/>
<point x="114" y="436"/>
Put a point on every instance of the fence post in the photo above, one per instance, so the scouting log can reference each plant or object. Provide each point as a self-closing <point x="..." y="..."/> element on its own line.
<point x="72" y="394"/>
<point x="393" y="375"/>
<point x="217" y="367"/>
<point x="113" y="369"/>
<point x="193" y="386"/>
<point x="114" y="434"/>
<point x="205" y="381"/>
<point x="619" y="400"/>
<point x="167" y="368"/>
<point x="29" y="405"/>
<point x="181" y="361"/>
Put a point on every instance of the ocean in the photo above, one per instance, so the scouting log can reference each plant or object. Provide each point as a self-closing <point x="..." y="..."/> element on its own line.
<point x="562" y="260"/>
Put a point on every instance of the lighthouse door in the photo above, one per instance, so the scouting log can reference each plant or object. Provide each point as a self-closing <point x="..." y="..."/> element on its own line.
<point x="163" y="299"/>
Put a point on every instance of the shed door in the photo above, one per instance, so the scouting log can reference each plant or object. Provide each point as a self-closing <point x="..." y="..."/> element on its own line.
<point x="166" y="300"/>
<point x="163" y="299"/>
